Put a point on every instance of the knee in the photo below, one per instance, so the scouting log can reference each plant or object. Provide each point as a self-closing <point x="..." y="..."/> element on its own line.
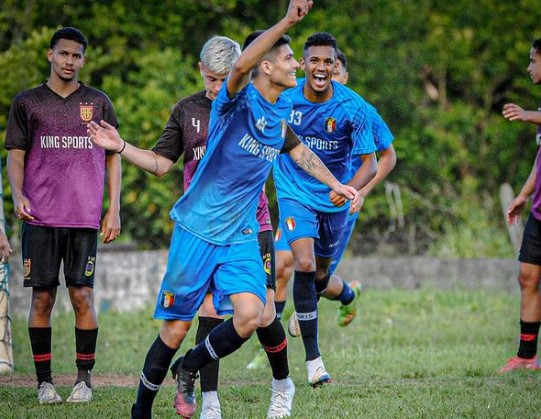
<point x="42" y="303"/>
<point x="246" y="322"/>
<point x="527" y="281"/>
<point x="305" y="265"/>
<point x="82" y="299"/>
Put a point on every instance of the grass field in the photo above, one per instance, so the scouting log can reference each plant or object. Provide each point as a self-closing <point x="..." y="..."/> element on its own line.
<point x="425" y="353"/>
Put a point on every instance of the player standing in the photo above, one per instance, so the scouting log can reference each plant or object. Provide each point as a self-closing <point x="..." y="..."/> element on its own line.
<point x="332" y="120"/>
<point x="57" y="179"/>
<point x="530" y="250"/>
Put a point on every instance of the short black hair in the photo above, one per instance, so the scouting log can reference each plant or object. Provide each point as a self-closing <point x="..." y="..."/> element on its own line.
<point x="320" y="39"/>
<point x="342" y="57"/>
<point x="71" y="34"/>
<point x="284" y="39"/>
<point x="537" y="45"/>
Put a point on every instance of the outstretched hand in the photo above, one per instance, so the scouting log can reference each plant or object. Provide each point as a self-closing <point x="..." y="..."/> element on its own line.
<point x="105" y="135"/>
<point x="513" y="112"/>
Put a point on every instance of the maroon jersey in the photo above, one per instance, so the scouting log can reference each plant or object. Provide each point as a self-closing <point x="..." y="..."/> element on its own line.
<point x="186" y="132"/>
<point x="64" y="172"/>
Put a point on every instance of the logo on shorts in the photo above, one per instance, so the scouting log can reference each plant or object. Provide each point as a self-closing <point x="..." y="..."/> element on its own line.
<point x="168" y="299"/>
<point x="330" y="124"/>
<point x="27" y="265"/>
<point x="267" y="263"/>
<point x="86" y="112"/>
<point x="89" y="268"/>
<point x="290" y="223"/>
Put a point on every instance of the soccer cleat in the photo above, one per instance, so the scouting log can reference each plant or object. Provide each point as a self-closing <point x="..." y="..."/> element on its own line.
<point x="211" y="412"/>
<point x="184" y="403"/>
<point x="259" y="361"/>
<point x="348" y="313"/>
<point x="47" y="394"/>
<point x="281" y="400"/>
<point x="518" y="363"/>
<point x="317" y="375"/>
<point x="81" y="393"/>
<point x="293" y="326"/>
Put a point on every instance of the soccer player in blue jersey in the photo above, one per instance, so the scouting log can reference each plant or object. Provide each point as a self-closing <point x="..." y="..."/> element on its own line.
<point x="333" y="121"/>
<point x="214" y="243"/>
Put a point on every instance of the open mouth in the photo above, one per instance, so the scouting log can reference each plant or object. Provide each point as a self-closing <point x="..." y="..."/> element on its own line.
<point x="320" y="80"/>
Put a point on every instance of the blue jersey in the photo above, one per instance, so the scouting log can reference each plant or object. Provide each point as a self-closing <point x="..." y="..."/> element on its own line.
<point x="334" y="130"/>
<point x="383" y="137"/>
<point x="246" y="134"/>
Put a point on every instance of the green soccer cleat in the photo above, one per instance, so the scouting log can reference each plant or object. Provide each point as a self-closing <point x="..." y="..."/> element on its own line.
<point x="259" y="361"/>
<point x="348" y="313"/>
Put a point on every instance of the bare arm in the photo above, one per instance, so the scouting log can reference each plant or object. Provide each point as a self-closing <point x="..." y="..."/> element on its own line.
<point x="386" y="163"/>
<point x="313" y="165"/>
<point x="240" y="74"/>
<point x="15" y="166"/>
<point x="110" y="225"/>
<point x="107" y="136"/>
<point x="513" y="112"/>
<point x="515" y="208"/>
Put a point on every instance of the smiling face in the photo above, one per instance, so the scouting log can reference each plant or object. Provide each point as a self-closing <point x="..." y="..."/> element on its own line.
<point x="534" y="68"/>
<point x="284" y="67"/>
<point x="318" y="64"/>
<point x="66" y="58"/>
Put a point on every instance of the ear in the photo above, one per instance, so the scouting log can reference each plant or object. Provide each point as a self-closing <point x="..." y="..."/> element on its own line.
<point x="266" y="67"/>
<point x="302" y="63"/>
<point x="200" y="68"/>
<point x="50" y="54"/>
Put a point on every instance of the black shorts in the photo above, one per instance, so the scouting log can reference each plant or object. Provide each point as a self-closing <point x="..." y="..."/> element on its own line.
<point x="44" y="248"/>
<point x="266" y="247"/>
<point x="530" y="250"/>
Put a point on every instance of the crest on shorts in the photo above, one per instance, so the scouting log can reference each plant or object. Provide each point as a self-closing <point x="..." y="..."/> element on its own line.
<point x="168" y="299"/>
<point x="86" y="112"/>
<point x="89" y="268"/>
<point x="330" y="124"/>
<point x="27" y="265"/>
<point x="290" y="223"/>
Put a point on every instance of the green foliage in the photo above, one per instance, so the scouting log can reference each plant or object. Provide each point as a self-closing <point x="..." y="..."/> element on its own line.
<point x="438" y="72"/>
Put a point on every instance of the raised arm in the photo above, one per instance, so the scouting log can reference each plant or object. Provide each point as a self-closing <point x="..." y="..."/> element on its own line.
<point x="107" y="137"/>
<point x="239" y="76"/>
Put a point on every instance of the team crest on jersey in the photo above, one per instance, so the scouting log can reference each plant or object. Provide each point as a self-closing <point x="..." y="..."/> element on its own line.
<point x="278" y="234"/>
<point x="290" y="223"/>
<point x="168" y="299"/>
<point x="90" y="263"/>
<point x="284" y="128"/>
<point x="86" y="112"/>
<point x="330" y="124"/>
<point x="267" y="263"/>
<point x="27" y="265"/>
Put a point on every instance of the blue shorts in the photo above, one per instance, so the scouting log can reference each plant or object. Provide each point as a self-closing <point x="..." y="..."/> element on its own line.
<point x="280" y="242"/>
<point x="344" y="240"/>
<point x="195" y="267"/>
<point x="300" y="221"/>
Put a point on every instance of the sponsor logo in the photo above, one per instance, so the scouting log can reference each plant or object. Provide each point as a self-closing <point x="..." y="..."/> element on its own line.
<point x="168" y="299"/>
<point x="27" y="265"/>
<point x="290" y="223"/>
<point x="86" y="112"/>
<point x="330" y="124"/>
<point x="247" y="231"/>
<point x="261" y="124"/>
<point x="90" y="264"/>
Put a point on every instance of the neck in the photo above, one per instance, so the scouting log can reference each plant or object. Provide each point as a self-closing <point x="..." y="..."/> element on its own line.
<point x="317" y="97"/>
<point x="61" y="87"/>
<point x="270" y="91"/>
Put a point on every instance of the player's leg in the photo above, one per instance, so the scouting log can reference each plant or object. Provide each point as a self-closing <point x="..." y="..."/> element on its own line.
<point x="238" y="286"/>
<point x="79" y="268"/>
<point x="41" y="264"/>
<point x="338" y="289"/>
<point x="530" y="298"/>
<point x="208" y="320"/>
<point x="182" y="292"/>
<point x="284" y="269"/>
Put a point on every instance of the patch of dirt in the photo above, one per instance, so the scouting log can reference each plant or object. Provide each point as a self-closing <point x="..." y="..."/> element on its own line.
<point x="98" y="380"/>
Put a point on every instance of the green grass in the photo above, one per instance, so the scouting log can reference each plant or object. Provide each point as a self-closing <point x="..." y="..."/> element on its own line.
<point x="425" y="353"/>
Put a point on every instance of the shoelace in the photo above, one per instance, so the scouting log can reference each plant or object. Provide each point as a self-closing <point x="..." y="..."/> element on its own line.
<point x="278" y="402"/>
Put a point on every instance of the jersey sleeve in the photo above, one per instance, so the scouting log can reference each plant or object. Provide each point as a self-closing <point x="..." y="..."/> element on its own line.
<point x="361" y="126"/>
<point x="17" y="127"/>
<point x="383" y="137"/>
<point x="291" y="141"/>
<point x="170" y="144"/>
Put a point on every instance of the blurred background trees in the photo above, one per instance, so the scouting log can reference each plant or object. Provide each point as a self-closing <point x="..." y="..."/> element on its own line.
<point x="438" y="72"/>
